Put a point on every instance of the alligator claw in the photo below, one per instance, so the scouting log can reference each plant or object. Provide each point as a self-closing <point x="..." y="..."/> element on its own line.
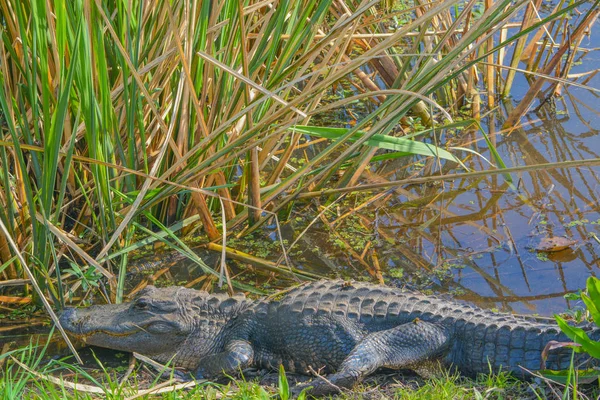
<point x="298" y="389"/>
<point x="178" y="375"/>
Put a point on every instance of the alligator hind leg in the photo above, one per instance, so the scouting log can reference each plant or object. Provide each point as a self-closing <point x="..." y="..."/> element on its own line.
<point x="405" y="346"/>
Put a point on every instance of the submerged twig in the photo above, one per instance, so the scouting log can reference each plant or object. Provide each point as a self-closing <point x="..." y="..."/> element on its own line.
<point x="466" y="175"/>
<point x="261" y="263"/>
<point x="37" y="288"/>
<point x="315" y="219"/>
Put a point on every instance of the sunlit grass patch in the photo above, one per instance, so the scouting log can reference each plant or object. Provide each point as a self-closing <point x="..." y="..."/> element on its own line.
<point x="34" y="379"/>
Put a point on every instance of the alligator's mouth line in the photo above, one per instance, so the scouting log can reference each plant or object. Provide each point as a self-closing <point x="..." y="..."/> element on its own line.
<point x="84" y="336"/>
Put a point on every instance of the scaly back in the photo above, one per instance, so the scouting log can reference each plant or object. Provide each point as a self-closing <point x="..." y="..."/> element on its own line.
<point x="369" y="303"/>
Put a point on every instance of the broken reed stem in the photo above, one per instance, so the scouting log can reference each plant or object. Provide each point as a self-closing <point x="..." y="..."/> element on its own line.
<point x="261" y="263"/>
<point x="568" y="63"/>
<point x="520" y="110"/>
<point x="489" y="69"/>
<point x="519" y="47"/>
<point x="467" y="175"/>
<point x="437" y="32"/>
<point x="254" y="187"/>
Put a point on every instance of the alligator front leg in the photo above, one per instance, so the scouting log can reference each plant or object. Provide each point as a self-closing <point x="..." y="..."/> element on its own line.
<point x="405" y="346"/>
<point x="238" y="354"/>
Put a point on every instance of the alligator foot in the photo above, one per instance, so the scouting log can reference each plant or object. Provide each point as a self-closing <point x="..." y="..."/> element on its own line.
<point x="179" y="376"/>
<point x="176" y="374"/>
<point x="297" y="390"/>
<point x="236" y="356"/>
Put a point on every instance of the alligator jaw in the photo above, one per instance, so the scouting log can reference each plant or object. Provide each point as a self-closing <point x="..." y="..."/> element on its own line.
<point x="93" y="323"/>
<point x="124" y="327"/>
<point x="85" y="336"/>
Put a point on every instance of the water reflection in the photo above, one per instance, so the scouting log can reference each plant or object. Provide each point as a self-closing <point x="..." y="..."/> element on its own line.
<point x="477" y="238"/>
<point x="486" y="230"/>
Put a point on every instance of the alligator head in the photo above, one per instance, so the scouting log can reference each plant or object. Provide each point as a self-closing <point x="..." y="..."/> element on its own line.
<point x="156" y="323"/>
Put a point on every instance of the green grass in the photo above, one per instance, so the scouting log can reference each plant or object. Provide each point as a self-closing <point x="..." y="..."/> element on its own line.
<point x="27" y="383"/>
<point x="455" y="387"/>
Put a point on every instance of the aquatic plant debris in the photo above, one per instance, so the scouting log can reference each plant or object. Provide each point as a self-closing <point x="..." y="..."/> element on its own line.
<point x="554" y="244"/>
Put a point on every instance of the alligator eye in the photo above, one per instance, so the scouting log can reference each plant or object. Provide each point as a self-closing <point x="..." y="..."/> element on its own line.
<point x="141" y="304"/>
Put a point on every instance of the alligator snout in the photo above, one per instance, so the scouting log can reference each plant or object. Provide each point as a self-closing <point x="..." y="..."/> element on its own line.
<point x="68" y="320"/>
<point x="68" y="317"/>
<point x="103" y="319"/>
<point x="68" y="314"/>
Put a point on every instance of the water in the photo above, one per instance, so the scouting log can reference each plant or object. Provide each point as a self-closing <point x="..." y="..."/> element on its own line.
<point x="477" y="238"/>
<point x="495" y="228"/>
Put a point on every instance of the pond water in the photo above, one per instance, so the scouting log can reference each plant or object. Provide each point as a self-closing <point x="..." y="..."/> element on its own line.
<point x="489" y="231"/>
<point x="477" y="238"/>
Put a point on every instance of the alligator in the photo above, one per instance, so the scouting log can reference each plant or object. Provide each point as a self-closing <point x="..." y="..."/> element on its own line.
<point x="345" y="329"/>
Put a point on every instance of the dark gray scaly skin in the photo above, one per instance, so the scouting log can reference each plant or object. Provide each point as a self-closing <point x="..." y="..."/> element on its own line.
<point x="346" y="330"/>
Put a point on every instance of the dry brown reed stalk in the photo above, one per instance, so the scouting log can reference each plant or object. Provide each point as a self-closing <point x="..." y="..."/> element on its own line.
<point x="525" y="103"/>
<point x="528" y="19"/>
<point x="260" y="263"/>
<point x="489" y="70"/>
<point x="467" y="175"/>
<point x="120" y="120"/>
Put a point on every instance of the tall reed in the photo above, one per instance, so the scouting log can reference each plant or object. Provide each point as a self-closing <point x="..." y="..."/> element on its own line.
<point x="120" y="118"/>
